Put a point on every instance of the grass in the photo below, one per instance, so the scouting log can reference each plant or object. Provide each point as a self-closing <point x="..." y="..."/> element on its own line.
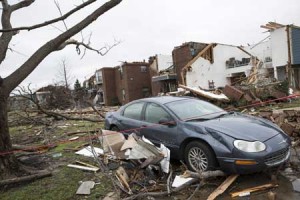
<point x="62" y="185"/>
<point x="65" y="181"/>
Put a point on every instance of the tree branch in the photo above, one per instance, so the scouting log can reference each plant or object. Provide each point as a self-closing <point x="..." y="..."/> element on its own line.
<point x="5" y="37"/>
<point x="46" y="23"/>
<point x="22" y="4"/>
<point x="13" y="80"/>
<point x="28" y="94"/>
<point x="60" y="12"/>
<point x="102" y="51"/>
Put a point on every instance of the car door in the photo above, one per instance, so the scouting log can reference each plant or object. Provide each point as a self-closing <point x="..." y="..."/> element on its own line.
<point x="130" y="118"/>
<point x="156" y="132"/>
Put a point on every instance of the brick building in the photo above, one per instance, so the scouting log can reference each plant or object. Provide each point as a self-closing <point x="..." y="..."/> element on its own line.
<point x="125" y="83"/>
<point x="183" y="54"/>
<point x="162" y="72"/>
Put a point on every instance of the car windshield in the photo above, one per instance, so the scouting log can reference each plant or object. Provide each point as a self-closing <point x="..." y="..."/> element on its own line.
<point x="192" y="109"/>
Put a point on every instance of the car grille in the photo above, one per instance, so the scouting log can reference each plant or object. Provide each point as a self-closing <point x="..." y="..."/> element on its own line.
<point x="277" y="157"/>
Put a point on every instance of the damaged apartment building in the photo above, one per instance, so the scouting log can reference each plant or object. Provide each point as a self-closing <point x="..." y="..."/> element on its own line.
<point x="204" y="65"/>
<point x="122" y="84"/>
<point x="277" y="56"/>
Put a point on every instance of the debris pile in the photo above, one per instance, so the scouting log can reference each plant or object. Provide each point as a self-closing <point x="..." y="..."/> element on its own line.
<point x="216" y="95"/>
<point x="256" y="93"/>
<point x="287" y="120"/>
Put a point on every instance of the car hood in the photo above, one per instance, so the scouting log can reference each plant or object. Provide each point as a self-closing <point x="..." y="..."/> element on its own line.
<point x="242" y="127"/>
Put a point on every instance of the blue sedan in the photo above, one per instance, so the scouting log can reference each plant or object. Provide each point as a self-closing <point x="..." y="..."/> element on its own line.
<point x="205" y="136"/>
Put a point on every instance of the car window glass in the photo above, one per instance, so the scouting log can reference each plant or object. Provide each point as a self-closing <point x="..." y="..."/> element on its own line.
<point x="187" y="109"/>
<point x="154" y="113"/>
<point x="134" y="111"/>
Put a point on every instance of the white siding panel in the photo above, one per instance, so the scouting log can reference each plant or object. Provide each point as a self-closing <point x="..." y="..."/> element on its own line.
<point x="203" y="71"/>
<point x="279" y="47"/>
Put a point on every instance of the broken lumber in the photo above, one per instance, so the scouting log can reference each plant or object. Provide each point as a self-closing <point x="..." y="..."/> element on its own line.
<point x="85" y="164"/>
<point x="208" y="95"/>
<point x="83" y="167"/>
<point x="229" y="180"/>
<point x="122" y="175"/>
<point x="253" y="189"/>
<point x="77" y="132"/>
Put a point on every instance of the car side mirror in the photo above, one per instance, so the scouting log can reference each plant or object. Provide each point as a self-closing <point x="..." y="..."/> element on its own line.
<point x="167" y="122"/>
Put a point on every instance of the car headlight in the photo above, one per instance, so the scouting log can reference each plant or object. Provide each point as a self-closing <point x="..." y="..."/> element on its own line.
<point x="251" y="147"/>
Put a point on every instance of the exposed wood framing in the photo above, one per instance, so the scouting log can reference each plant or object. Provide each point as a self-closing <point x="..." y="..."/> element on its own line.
<point x="272" y="26"/>
<point x="206" y="53"/>
<point x="246" y="52"/>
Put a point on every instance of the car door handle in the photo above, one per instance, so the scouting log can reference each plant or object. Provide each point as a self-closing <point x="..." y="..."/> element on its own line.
<point x="143" y="126"/>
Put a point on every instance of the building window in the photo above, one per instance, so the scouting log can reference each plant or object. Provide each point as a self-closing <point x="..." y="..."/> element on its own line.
<point x="143" y="69"/>
<point x="99" y="77"/>
<point x="121" y="72"/>
<point x="146" y="92"/>
<point x="123" y="95"/>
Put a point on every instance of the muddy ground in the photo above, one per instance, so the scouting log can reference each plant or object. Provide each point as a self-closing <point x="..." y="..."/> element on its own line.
<point x="64" y="180"/>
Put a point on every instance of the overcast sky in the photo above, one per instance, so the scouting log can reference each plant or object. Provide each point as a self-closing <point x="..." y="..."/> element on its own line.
<point x="145" y="27"/>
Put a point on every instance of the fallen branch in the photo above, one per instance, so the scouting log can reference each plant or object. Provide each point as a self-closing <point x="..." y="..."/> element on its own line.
<point x="203" y="175"/>
<point x="77" y="132"/>
<point x="196" y="190"/>
<point x="33" y="148"/>
<point x="32" y="177"/>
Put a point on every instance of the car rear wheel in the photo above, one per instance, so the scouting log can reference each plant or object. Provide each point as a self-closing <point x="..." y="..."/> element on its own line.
<point x="199" y="157"/>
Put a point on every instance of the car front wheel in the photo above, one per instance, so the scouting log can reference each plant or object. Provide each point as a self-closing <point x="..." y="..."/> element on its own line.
<point x="199" y="157"/>
<point x="115" y="128"/>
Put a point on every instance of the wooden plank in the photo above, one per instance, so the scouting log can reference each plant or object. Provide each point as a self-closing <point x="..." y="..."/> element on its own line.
<point x="83" y="167"/>
<point x="253" y="189"/>
<point x="122" y="175"/>
<point x="229" y="180"/>
<point x="85" y="164"/>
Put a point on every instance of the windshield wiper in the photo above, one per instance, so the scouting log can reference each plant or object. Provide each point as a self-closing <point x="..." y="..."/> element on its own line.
<point x="223" y="114"/>
<point x="199" y="119"/>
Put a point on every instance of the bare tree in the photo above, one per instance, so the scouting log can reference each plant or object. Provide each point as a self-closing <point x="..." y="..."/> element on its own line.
<point x="8" y="163"/>
<point x="64" y="76"/>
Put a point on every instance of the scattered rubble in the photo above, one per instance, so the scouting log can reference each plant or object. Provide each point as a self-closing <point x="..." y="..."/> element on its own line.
<point x="296" y="185"/>
<point x="85" y="188"/>
<point x="248" y="191"/>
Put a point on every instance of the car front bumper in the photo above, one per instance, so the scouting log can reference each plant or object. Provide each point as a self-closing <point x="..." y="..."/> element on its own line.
<point x="229" y="165"/>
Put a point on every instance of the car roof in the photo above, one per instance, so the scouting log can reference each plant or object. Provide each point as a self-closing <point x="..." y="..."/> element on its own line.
<point x="163" y="99"/>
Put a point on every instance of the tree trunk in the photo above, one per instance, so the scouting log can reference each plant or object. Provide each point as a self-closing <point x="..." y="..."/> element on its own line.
<point x="8" y="162"/>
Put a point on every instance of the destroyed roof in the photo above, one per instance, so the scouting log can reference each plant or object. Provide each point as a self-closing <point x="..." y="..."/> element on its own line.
<point x="271" y="26"/>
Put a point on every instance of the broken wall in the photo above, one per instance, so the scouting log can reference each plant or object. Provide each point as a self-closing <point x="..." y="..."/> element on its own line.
<point x="203" y="71"/>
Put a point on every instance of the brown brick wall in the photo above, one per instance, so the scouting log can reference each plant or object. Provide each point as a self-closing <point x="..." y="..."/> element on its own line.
<point x="136" y="80"/>
<point x="183" y="54"/>
<point x="109" y="86"/>
<point x="133" y="81"/>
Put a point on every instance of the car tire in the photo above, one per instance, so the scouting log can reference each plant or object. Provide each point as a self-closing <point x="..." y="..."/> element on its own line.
<point x="114" y="128"/>
<point x="199" y="157"/>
